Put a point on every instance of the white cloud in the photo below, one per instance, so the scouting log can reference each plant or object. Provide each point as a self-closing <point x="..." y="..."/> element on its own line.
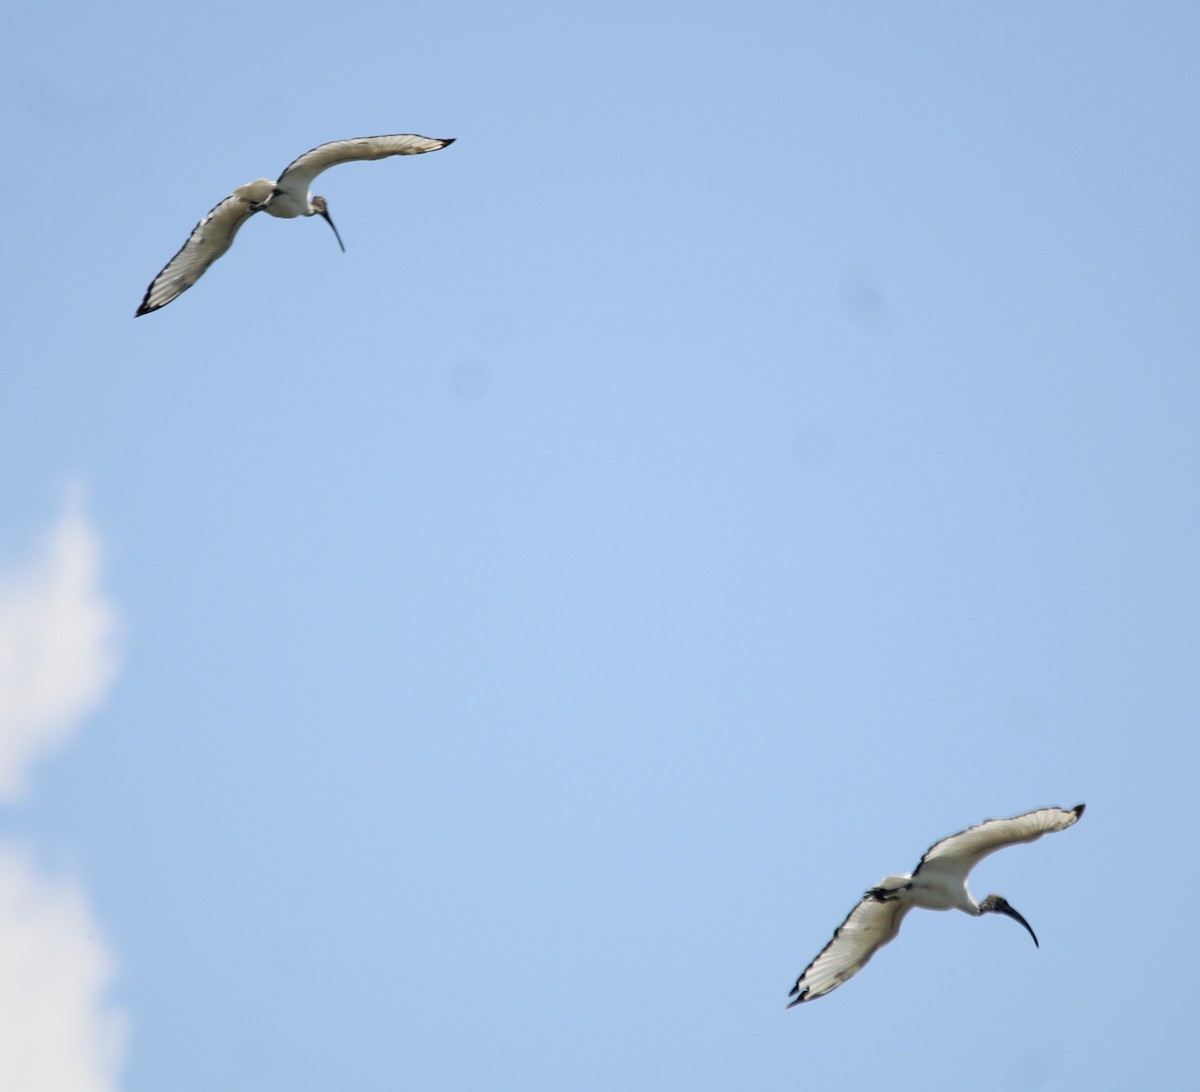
<point x="59" y="1031"/>
<point x="60" y="1034"/>
<point x="57" y="653"/>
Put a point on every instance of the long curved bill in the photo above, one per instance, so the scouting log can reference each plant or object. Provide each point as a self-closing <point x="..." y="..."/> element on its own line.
<point x="1010" y="912"/>
<point x="329" y="221"/>
<point x="995" y="904"/>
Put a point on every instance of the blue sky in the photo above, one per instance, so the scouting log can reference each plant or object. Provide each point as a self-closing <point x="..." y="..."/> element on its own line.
<point x="500" y="655"/>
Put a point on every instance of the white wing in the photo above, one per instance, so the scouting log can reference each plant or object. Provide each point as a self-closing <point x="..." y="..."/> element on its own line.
<point x="961" y="852"/>
<point x="867" y="928"/>
<point x="299" y="174"/>
<point x="208" y="241"/>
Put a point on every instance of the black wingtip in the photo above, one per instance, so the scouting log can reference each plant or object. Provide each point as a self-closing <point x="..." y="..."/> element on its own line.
<point x="799" y="1000"/>
<point x="145" y="307"/>
<point x="447" y="141"/>
<point x="1078" y="810"/>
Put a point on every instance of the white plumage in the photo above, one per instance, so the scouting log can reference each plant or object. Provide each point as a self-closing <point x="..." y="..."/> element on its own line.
<point x="286" y="197"/>
<point x="939" y="882"/>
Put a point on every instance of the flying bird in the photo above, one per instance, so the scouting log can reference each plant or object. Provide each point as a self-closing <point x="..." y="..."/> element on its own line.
<point x="287" y="196"/>
<point x="939" y="882"/>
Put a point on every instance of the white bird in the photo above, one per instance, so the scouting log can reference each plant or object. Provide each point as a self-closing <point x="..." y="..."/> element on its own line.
<point x="287" y="196"/>
<point x="939" y="882"/>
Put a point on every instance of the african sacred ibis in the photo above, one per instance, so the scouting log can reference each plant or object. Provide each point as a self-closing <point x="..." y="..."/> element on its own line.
<point x="939" y="882"/>
<point x="287" y="196"/>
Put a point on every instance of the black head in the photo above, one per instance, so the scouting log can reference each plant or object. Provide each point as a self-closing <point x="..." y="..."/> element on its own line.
<point x="321" y="208"/>
<point x="998" y="904"/>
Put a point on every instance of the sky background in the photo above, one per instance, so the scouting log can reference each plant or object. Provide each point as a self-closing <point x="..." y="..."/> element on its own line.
<point x="500" y="655"/>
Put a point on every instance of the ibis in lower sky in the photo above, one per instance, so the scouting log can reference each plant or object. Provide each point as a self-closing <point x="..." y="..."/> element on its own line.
<point x="287" y="196"/>
<point x="939" y="882"/>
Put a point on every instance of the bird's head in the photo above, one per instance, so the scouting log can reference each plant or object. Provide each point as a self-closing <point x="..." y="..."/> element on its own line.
<point x="320" y="207"/>
<point x="998" y="904"/>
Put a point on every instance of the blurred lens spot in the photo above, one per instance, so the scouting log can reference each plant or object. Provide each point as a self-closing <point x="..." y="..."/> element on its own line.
<point x="1023" y="714"/>
<point x="470" y="380"/>
<point x="813" y="445"/>
<point x="862" y="300"/>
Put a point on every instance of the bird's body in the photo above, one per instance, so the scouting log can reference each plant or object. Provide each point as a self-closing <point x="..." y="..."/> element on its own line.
<point x="939" y="882"/>
<point x="287" y="197"/>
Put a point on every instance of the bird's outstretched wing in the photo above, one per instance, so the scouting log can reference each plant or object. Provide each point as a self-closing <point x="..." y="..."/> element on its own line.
<point x="208" y="241"/>
<point x="970" y="846"/>
<point x="299" y="174"/>
<point x="867" y="928"/>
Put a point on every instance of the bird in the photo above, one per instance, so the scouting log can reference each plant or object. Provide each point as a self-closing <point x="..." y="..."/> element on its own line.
<point x="288" y="196"/>
<point x="939" y="882"/>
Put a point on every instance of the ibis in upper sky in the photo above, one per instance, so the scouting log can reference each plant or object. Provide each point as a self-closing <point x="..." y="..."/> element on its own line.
<point x="287" y="196"/>
<point x="939" y="882"/>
